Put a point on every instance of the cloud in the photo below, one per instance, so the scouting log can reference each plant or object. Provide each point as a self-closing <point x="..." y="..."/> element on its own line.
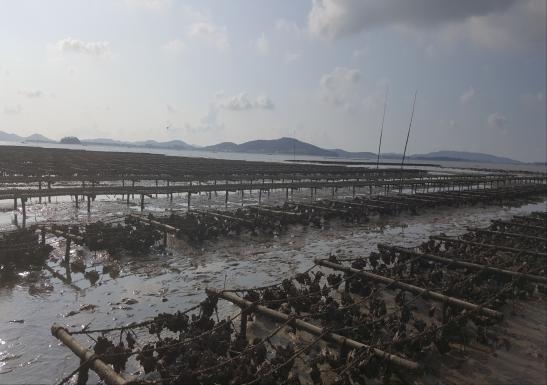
<point x="488" y="23"/>
<point x="467" y="95"/>
<point x="32" y="94"/>
<point x="210" y="32"/>
<point x="174" y="46"/>
<point x="339" y="87"/>
<point x="242" y="102"/>
<point x="291" y="57"/>
<point x="13" y="110"/>
<point x="497" y="120"/>
<point x="155" y="5"/>
<point x="171" y="109"/>
<point x="262" y="45"/>
<point x="288" y="27"/>
<point x="208" y="123"/>
<point x="532" y="100"/>
<point x="72" y="45"/>
<point x="337" y="18"/>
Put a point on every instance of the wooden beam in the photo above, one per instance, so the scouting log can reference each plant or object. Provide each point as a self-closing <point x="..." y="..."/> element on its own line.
<point x="315" y="330"/>
<point x="413" y="289"/>
<point x="460" y="263"/>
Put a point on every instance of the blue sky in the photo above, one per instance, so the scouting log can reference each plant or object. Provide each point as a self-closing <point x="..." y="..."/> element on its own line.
<point x="212" y="71"/>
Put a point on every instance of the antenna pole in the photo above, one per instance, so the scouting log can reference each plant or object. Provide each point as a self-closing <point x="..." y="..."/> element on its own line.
<point x="382" y="130"/>
<point x="408" y="133"/>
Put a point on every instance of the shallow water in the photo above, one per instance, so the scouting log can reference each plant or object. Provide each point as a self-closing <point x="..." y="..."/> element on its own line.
<point x="161" y="282"/>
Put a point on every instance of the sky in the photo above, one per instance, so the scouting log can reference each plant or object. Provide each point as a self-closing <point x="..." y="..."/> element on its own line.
<point x="321" y="70"/>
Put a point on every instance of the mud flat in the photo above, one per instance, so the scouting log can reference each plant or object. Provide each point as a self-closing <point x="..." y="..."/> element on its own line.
<point x="121" y="263"/>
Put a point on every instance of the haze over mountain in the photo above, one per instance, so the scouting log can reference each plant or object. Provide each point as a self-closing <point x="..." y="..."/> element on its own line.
<point x="285" y="145"/>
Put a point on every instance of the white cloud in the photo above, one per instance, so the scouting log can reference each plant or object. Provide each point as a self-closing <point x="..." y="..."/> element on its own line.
<point x="174" y="46"/>
<point x="214" y="34"/>
<point x="339" y="87"/>
<point x="32" y="94"/>
<point x="497" y="120"/>
<point x="262" y="45"/>
<point x="241" y="102"/>
<point x="13" y="110"/>
<point x="467" y="95"/>
<point x="532" y="100"/>
<point x="155" y="5"/>
<point x="288" y="27"/>
<point x="291" y="57"/>
<point x="72" y="45"/>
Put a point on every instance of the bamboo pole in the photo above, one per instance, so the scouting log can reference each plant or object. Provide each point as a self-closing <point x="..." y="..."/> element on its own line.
<point x="413" y="289"/>
<point x="312" y="329"/>
<point x="104" y="371"/>
<point x="471" y="265"/>
<point x="505" y="223"/>
<point x="168" y="228"/>
<point x="487" y="245"/>
<point x="507" y="234"/>
<point x="339" y="211"/>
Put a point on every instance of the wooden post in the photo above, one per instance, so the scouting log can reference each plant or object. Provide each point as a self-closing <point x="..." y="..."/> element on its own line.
<point x="226" y="200"/>
<point x="43" y="236"/>
<point x="104" y="371"/>
<point x="15" y="204"/>
<point x="189" y="200"/>
<point x="76" y="201"/>
<point x="49" y="188"/>
<point x="142" y="202"/>
<point x="259" y="196"/>
<point x="24" y="209"/>
<point x="67" y="251"/>
<point x="40" y="191"/>
<point x="89" y="204"/>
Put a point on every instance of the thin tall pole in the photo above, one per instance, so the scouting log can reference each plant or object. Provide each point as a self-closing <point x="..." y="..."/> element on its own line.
<point x="410" y="125"/>
<point x="381" y="131"/>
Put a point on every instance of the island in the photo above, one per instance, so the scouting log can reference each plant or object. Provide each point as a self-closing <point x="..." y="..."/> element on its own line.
<point x="70" y="140"/>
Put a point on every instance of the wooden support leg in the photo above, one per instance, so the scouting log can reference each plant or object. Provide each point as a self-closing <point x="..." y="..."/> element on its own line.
<point x="142" y="202"/>
<point x="76" y="201"/>
<point x="49" y="188"/>
<point x="43" y="237"/>
<point x="14" y="203"/>
<point x="243" y="325"/>
<point x="23" y="207"/>
<point x="89" y="204"/>
<point x="40" y="190"/>
<point x="259" y="196"/>
<point x="189" y="200"/>
<point x="67" y="251"/>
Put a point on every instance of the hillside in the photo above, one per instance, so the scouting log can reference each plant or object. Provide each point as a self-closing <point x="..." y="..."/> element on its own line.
<point x="274" y="146"/>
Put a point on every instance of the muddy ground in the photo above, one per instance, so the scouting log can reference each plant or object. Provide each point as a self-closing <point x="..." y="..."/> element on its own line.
<point x="137" y="287"/>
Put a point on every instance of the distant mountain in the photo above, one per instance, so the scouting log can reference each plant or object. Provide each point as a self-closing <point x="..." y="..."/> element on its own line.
<point x="274" y="146"/>
<point x="7" y="137"/>
<point x="172" y="145"/>
<point x="348" y="154"/>
<point x="104" y="142"/>
<point x="222" y="147"/>
<point x="38" y="139"/>
<point x="464" y="156"/>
